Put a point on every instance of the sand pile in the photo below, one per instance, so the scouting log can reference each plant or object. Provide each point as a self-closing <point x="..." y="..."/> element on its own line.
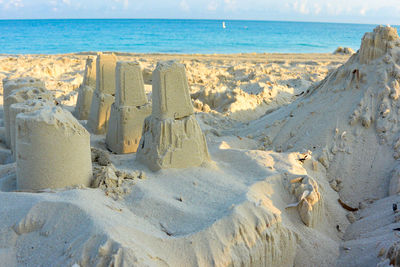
<point x="344" y="51"/>
<point x="350" y="123"/>
<point x="348" y="120"/>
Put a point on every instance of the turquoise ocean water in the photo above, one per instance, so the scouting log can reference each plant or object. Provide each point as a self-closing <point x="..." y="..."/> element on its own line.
<point x="175" y="36"/>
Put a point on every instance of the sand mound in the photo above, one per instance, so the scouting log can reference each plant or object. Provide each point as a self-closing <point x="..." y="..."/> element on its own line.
<point x="343" y="51"/>
<point x="349" y="120"/>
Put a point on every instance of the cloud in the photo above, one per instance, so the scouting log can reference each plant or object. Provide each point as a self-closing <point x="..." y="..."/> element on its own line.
<point x="126" y="4"/>
<point x="67" y="2"/>
<point x="230" y="4"/>
<point x="212" y="6"/>
<point x="184" y="5"/>
<point x="13" y="4"/>
<point x="301" y="7"/>
<point x="317" y="9"/>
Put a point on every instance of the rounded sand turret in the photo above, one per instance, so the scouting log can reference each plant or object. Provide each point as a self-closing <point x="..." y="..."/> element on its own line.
<point x="24" y="107"/>
<point x="53" y="150"/>
<point x="11" y="85"/>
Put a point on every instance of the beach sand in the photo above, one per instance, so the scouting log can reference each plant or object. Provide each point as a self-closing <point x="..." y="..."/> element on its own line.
<point x="282" y="154"/>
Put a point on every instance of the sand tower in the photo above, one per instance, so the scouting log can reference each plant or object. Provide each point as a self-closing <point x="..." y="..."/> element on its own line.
<point x="24" y="107"/>
<point x="86" y="90"/>
<point x="9" y="85"/>
<point x="53" y="150"/>
<point x="377" y="43"/>
<point x="129" y="109"/>
<point x="21" y="95"/>
<point x="172" y="138"/>
<point x="103" y="96"/>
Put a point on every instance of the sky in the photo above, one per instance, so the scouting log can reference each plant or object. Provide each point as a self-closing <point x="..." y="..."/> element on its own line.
<point x="351" y="11"/>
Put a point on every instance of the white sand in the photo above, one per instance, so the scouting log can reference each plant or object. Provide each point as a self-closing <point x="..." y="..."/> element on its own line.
<point x="282" y="154"/>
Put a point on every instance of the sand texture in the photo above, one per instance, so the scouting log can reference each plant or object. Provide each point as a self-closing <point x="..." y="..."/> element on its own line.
<point x="296" y="164"/>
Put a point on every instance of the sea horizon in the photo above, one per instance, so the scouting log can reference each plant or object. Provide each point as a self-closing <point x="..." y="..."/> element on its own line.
<point x="176" y="36"/>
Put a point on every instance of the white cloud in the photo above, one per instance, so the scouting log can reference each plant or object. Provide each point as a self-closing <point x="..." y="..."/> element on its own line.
<point x="13" y="4"/>
<point x="184" y="5"/>
<point x="212" y="6"/>
<point x="126" y="4"/>
<point x="363" y="11"/>
<point x="317" y="9"/>
<point x="67" y="2"/>
<point x="230" y="4"/>
<point x="301" y="7"/>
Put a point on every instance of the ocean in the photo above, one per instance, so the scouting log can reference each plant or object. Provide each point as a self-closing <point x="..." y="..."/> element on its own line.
<point x="176" y="36"/>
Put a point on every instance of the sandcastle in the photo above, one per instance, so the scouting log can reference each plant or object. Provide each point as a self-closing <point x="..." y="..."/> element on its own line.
<point x="129" y="110"/>
<point x="19" y="96"/>
<point x="103" y="96"/>
<point x="171" y="138"/>
<point x="86" y="90"/>
<point x="10" y="85"/>
<point x="53" y="150"/>
<point x="23" y="107"/>
<point x="377" y="43"/>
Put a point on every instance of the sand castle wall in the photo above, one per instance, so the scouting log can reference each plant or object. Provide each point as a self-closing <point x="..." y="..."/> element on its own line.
<point x="24" y="107"/>
<point x="53" y="150"/>
<point x="10" y="85"/>
<point x="172" y="137"/>
<point x="86" y="90"/>
<point x="103" y="96"/>
<point x="129" y="110"/>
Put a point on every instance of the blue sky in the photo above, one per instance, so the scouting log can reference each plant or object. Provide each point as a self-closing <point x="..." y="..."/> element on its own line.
<point x="354" y="11"/>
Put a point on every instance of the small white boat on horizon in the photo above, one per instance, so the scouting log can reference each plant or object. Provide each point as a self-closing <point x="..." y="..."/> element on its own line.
<point x="223" y="25"/>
